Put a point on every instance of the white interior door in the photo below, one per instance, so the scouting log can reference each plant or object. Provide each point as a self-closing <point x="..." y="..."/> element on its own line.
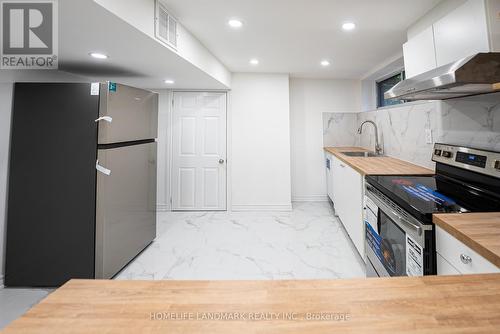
<point x="199" y="151"/>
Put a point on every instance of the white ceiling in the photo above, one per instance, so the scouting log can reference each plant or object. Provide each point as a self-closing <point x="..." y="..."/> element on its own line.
<point x="293" y="36"/>
<point x="135" y="59"/>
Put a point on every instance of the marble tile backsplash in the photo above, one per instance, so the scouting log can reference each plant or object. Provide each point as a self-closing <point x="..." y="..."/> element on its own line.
<point x="402" y="131"/>
<point x="339" y="129"/>
<point x="473" y="121"/>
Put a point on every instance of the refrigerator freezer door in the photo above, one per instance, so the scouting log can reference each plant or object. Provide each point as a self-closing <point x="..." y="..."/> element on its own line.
<point x="126" y="114"/>
<point x="126" y="206"/>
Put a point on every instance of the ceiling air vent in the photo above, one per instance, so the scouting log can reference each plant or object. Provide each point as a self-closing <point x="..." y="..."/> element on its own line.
<point x="166" y="25"/>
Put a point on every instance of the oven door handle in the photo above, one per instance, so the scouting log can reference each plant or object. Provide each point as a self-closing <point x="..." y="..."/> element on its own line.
<point x="408" y="224"/>
<point x="393" y="214"/>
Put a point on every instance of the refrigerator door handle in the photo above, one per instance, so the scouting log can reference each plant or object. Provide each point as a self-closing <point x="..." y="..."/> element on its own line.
<point x="102" y="169"/>
<point x="105" y="118"/>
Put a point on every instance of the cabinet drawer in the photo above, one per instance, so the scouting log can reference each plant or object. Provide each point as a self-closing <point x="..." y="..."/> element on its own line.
<point x="452" y="250"/>
<point x="444" y="267"/>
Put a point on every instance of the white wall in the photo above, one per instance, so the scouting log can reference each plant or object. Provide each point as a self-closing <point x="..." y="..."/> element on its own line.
<point x="309" y="99"/>
<point x="5" y="112"/>
<point x="141" y="13"/>
<point x="259" y="142"/>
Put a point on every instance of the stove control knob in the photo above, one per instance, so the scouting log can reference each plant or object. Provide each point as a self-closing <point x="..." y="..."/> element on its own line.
<point x="437" y="152"/>
<point x="497" y="165"/>
<point x="447" y="154"/>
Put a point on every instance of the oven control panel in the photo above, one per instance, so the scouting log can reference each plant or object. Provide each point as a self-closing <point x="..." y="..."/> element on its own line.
<point x="472" y="159"/>
<point x="481" y="161"/>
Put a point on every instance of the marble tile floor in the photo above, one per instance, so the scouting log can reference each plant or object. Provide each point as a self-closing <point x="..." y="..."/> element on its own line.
<point x="306" y="243"/>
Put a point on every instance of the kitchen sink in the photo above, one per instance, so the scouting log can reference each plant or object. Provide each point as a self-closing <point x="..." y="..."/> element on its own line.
<point x="361" y="154"/>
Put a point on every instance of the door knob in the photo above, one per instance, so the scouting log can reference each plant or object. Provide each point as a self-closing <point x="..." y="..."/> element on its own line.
<point x="221" y="161"/>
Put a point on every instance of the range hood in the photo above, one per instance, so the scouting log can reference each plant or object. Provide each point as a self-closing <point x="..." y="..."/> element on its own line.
<point x="478" y="74"/>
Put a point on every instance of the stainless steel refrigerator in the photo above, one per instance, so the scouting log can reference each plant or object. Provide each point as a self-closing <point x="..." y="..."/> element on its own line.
<point x="82" y="181"/>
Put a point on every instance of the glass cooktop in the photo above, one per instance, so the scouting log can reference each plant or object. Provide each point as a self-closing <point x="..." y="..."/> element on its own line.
<point x="424" y="195"/>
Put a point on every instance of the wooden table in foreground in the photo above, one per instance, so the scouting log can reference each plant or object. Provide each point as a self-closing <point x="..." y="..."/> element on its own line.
<point x="444" y="304"/>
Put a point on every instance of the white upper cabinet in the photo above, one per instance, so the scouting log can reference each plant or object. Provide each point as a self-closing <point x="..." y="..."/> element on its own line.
<point x="462" y="33"/>
<point x="471" y="28"/>
<point x="419" y="53"/>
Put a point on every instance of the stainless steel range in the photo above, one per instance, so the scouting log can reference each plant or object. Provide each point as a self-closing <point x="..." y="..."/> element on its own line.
<point x="400" y="239"/>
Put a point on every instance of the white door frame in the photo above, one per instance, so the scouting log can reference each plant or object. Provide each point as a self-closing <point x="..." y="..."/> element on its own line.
<point x="170" y="137"/>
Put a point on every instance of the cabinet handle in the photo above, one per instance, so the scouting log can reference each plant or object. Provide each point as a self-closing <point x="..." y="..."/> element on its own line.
<point x="466" y="259"/>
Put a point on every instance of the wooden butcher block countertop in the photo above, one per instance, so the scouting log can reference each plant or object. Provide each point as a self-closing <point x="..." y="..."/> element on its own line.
<point x="479" y="231"/>
<point x="431" y="304"/>
<point x="377" y="165"/>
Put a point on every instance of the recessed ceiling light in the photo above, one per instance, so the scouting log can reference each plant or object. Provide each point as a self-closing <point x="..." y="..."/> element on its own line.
<point x="254" y="61"/>
<point x="325" y="63"/>
<point x="169" y="82"/>
<point x="98" y="55"/>
<point x="349" y="26"/>
<point x="234" y="23"/>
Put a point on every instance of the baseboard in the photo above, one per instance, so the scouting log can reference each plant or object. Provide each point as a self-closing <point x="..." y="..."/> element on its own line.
<point x="162" y="207"/>
<point x="310" y="198"/>
<point x="261" y="207"/>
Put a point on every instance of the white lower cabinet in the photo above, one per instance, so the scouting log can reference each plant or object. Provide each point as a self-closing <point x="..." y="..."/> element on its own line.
<point x="348" y="193"/>
<point x="329" y="175"/>
<point x="336" y="181"/>
<point x="454" y="257"/>
<point x="444" y="267"/>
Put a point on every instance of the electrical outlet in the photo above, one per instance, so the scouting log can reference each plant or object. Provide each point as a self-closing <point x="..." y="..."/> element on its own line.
<point x="428" y="136"/>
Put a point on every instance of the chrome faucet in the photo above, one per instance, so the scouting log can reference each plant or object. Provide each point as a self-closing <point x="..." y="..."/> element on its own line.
<point x="378" y="148"/>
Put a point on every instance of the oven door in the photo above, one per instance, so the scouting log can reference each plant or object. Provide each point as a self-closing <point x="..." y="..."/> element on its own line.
<point x="395" y="244"/>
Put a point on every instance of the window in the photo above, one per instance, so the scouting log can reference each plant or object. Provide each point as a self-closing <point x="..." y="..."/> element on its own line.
<point x="386" y="84"/>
